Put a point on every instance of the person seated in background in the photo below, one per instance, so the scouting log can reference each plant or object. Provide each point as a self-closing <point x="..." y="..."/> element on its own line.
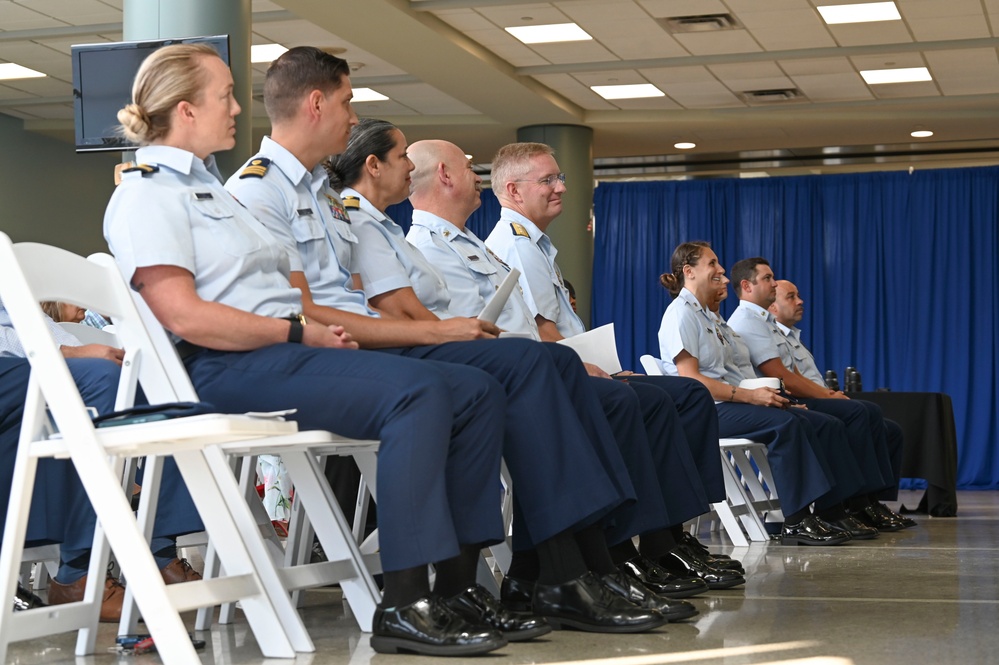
<point x="572" y="294"/>
<point x="217" y="279"/>
<point x="560" y="478"/>
<point x="445" y="192"/>
<point x="63" y="312"/>
<point x="805" y="448"/>
<point x="529" y="185"/>
<point x="788" y="309"/>
<point x="771" y="355"/>
<point x="61" y="512"/>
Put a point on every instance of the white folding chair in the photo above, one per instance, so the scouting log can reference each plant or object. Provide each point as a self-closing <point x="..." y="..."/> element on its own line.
<point x="30" y="273"/>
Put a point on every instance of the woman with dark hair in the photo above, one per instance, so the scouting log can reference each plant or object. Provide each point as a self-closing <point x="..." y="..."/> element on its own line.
<point x="215" y="277"/>
<point x="801" y="444"/>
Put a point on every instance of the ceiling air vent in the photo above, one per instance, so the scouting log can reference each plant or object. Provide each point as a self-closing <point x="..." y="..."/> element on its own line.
<point x="702" y="23"/>
<point x="775" y="96"/>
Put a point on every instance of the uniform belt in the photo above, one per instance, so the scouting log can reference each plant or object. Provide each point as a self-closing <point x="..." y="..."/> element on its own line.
<point x="185" y="349"/>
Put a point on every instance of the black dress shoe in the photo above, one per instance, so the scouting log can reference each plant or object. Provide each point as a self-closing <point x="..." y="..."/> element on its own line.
<point x="517" y="594"/>
<point x="25" y="600"/>
<point x="428" y="627"/>
<point x="812" y="530"/>
<point x="587" y="604"/>
<point x="660" y="580"/>
<point x="709" y="560"/>
<point x="631" y="590"/>
<point x="857" y="529"/>
<point x="906" y="522"/>
<point x="478" y="606"/>
<point x="680" y="562"/>
<point x="871" y="516"/>
<point x="690" y="540"/>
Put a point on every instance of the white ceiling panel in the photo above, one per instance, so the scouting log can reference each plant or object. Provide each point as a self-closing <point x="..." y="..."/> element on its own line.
<point x="847" y="86"/>
<point x="595" y="11"/>
<point x="740" y="6"/>
<point x="517" y="15"/>
<point x="574" y="91"/>
<point x="663" y="8"/>
<point x="862" y="34"/>
<point x="117" y="4"/>
<point x="966" y="72"/>
<point x="911" y="9"/>
<point x="465" y="20"/>
<point x="572" y="52"/>
<point x="425" y="99"/>
<point x="508" y="47"/>
<point x="701" y="95"/>
<point x="782" y="39"/>
<point x="644" y="40"/>
<point x="382" y="109"/>
<point x="745" y="70"/>
<point x="816" y="66"/>
<point x="716" y="43"/>
<point x="668" y="75"/>
<point x="43" y="87"/>
<point x="303" y="33"/>
<point x="939" y="28"/>
<point x="264" y="6"/>
<point x="7" y="92"/>
<point x="903" y="90"/>
<point x="18" y="17"/>
<point x="51" y="111"/>
<point x="647" y="104"/>
<point x="612" y="77"/>
<point x="20" y="113"/>
<point x="64" y="44"/>
<point x="888" y="60"/>
<point x="75" y="12"/>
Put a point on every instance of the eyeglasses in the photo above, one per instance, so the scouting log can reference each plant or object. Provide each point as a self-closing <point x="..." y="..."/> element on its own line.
<point x="548" y="181"/>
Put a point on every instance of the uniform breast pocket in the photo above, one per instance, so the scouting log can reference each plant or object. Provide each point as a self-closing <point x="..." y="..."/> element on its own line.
<point x="231" y="234"/>
<point x="480" y="267"/>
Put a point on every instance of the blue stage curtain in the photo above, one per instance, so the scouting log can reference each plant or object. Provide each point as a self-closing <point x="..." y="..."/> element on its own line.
<point x="899" y="272"/>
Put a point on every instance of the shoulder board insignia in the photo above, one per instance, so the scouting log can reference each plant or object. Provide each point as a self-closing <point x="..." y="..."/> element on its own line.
<point x="144" y="169"/>
<point x="256" y="168"/>
<point x="351" y="203"/>
<point x="498" y="259"/>
<point x="519" y="230"/>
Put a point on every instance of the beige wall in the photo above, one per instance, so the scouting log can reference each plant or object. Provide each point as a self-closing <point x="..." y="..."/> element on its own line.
<point x="51" y="194"/>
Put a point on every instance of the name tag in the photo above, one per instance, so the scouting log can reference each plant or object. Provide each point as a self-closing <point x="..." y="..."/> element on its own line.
<point x="203" y="196"/>
<point x="304" y="211"/>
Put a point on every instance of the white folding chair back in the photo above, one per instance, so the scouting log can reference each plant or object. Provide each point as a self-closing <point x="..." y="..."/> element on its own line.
<point x="651" y="365"/>
<point x="30" y="273"/>
<point x="90" y="335"/>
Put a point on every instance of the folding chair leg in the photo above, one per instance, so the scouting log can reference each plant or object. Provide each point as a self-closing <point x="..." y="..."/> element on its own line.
<point x="146" y="515"/>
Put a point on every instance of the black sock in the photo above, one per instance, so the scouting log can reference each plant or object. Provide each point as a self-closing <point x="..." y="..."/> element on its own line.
<point x="858" y="503"/>
<point x="559" y="559"/>
<point x="795" y="518"/>
<point x="456" y="574"/>
<point x="836" y="512"/>
<point x="677" y="532"/>
<point x="524" y="565"/>
<point x="403" y="587"/>
<point x="623" y="551"/>
<point x="81" y="562"/>
<point x="656" y="543"/>
<point x="593" y="546"/>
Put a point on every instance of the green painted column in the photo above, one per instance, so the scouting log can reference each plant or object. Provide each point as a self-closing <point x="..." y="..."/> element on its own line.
<point x="572" y="231"/>
<point x="163" y="19"/>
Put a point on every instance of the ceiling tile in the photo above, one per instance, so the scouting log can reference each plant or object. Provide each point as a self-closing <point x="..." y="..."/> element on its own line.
<point x="517" y="15"/>
<point x="816" y="66"/>
<point x="303" y="33"/>
<point x="668" y="75"/>
<point x="51" y="111"/>
<point x="43" y="87"/>
<point x="844" y="86"/>
<point x="861" y="34"/>
<point x="382" y="109"/>
<point x="465" y="20"/>
<point x="949" y="27"/>
<point x="614" y="77"/>
<point x="18" y="17"/>
<point x="902" y="90"/>
<point x="574" y="91"/>
<point x="647" y="104"/>
<point x="702" y="94"/>
<point x="7" y="92"/>
<point x="888" y="61"/>
<point x="64" y="44"/>
<point x="75" y="12"/>
<point x="117" y="4"/>
<point x="424" y="99"/>
<point x="507" y="47"/>
<point x="264" y="6"/>
<point x="644" y="41"/>
<point x="664" y="8"/>
<point x="572" y="52"/>
<point x="912" y="9"/>
<point x="714" y="43"/>
<point x="965" y="72"/>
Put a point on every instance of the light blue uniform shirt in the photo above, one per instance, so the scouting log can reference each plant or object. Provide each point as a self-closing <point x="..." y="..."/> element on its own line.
<point x="309" y="221"/>
<point x="758" y="329"/>
<point x="737" y="362"/>
<point x="803" y="358"/>
<point x="540" y="278"/>
<point x="471" y="270"/>
<point x="387" y="262"/>
<point x="688" y="326"/>
<point x="182" y="216"/>
<point x="10" y="343"/>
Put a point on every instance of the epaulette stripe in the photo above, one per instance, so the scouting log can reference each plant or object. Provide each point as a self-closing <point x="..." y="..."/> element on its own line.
<point x="144" y="169"/>
<point x="256" y="168"/>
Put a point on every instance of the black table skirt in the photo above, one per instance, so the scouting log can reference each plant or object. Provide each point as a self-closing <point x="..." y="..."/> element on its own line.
<point x="927" y="421"/>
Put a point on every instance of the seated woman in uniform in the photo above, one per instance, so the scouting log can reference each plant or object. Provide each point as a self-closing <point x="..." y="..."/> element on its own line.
<point x="215" y="278"/>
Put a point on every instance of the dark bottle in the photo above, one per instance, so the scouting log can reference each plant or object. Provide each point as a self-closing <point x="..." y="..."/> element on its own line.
<point x="832" y="381"/>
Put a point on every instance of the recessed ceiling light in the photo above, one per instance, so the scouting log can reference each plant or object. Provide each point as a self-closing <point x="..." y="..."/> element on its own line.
<point x="10" y="71"/>
<point x="367" y="95"/>
<point x="866" y="12"/>
<point x="546" y="34"/>
<point x="260" y="53"/>
<point x="468" y="157"/>
<point x="921" y="134"/>
<point x="635" y="91"/>
<point x="902" y="75"/>
<point x="684" y="145"/>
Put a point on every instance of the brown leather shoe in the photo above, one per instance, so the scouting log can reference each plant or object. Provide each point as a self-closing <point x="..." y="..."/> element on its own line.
<point x="114" y="595"/>
<point x="179" y="570"/>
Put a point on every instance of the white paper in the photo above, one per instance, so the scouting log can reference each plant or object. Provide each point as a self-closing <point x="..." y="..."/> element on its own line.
<point x="597" y="347"/>
<point x="491" y="311"/>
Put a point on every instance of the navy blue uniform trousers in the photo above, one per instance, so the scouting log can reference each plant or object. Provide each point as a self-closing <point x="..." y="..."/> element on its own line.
<point x="802" y="449"/>
<point x="440" y="426"/>
<point x="699" y="421"/>
<point x="559" y="467"/>
<point x="60" y="509"/>
<point x="866" y="435"/>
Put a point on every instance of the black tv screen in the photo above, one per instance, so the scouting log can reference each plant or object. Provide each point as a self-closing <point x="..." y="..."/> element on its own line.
<point x="102" y="85"/>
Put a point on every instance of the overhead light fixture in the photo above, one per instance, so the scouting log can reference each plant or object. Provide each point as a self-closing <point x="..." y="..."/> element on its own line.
<point x="634" y="91"/>
<point x="901" y="75"/>
<point x="261" y="53"/>
<point x="921" y="134"/>
<point x="549" y="34"/>
<point x="867" y="12"/>
<point x="468" y="157"/>
<point x="9" y="71"/>
<point x="367" y="95"/>
<point x="684" y="145"/>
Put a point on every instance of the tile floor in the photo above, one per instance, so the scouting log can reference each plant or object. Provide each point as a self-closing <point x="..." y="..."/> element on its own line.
<point x="924" y="595"/>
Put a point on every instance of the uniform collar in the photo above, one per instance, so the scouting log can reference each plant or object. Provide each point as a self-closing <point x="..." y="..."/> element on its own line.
<point x="510" y="215"/>
<point x="438" y="225"/>
<point x="366" y="206"/>
<point x="687" y="296"/>
<point x="757" y="311"/>
<point x="288" y="163"/>
<point x="175" y="159"/>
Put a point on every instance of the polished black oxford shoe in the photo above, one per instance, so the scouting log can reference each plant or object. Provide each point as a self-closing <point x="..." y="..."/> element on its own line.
<point x="691" y="541"/>
<point x="517" y="594"/>
<point x="585" y="603"/>
<point x="857" y="529"/>
<point x="631" y="590"/>
<point x="660" y="580"/>
<point x="680" y="562"/>
<point x="812" y="530"/>
<point x="711" y="561"/>
<point x="873" y="517"/>
<point x="25" y="600"/>
<point x="885" y="511"/>
<point x="429" y="627"/>
<point x="478" y="606"/>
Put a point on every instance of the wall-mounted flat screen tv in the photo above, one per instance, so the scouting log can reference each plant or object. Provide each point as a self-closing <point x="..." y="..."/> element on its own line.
<point x="102" y="85"/>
